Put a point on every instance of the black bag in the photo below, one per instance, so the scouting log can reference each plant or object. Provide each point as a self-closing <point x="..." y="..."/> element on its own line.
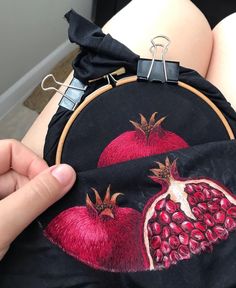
<point x="154" y="203"/>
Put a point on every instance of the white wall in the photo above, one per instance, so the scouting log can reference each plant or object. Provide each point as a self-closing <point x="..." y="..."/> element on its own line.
<point x="29" y="31"/>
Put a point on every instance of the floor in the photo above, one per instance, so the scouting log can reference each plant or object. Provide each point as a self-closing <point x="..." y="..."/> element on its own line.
<point x="16" y="123"/>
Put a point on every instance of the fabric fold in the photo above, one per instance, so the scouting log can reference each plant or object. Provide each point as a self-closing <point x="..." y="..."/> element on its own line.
<point x="100" y="53"/>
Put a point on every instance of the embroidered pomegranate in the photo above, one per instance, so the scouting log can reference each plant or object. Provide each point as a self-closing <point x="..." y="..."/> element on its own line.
<point x="147" y="139"/>
<point x="186" y="216"/>
<point x="101" y="234"/>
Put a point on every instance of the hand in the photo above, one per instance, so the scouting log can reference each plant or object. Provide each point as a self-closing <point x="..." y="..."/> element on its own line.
<point x="27" y="188"/>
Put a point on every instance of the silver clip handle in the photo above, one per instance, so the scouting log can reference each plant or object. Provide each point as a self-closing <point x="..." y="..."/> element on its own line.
<point x="153" y="50"/>
<point x="59" y="83"/>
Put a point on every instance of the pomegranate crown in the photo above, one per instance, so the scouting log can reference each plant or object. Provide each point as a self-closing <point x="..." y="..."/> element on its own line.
<point x="146" y="127"/>
<point x="105" y="207"/>
<point x="165" y="171"/>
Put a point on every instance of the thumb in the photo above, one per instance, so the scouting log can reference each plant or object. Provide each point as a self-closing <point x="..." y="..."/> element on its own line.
<point x="20" y="208"/>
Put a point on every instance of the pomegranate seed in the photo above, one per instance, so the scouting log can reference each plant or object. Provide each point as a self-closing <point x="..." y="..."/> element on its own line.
<point x="165" y="232"/>
<point x="158" y="255"/>
<point x="225" y="204"/>
<point x="219" y="217"/>
<point x="171" y="206"/>
<point x="207" y="193"/>
<point x="189" y="188"/>
<point x="197" y="187"/>
<point x="178" y="217"/>
<point x="165" y="247"/>
<point x="184" y="238"/>
<point x="202" y="206"/>
<point x="216" y="193"/>
<point x="154" y="216"/>
<point x="166" y="262"/>
<point x="203" y="185"/>
<point x="174" y="257"/>
<point x="206" y="246"/>
<point x="200" y="196"/>
<point x="156" y="242"/>
<point x="197" y="235"/>
<point x="230" y="223"/>
<point x="221" y="232"/>
<point x="200" y="226"/>
<point x="149" y="231"/>
<point x="187" y="226"/>
<point x="216" y="200"/>
<point x="194" y="246"/>
<point x="208" y="219"/>
<point x="160" y="204"/>
<point x="164" y="217"/>
<point x="192" y="200"/>
<point x="174" y="242"/>
<point x="175" y="228"/>
<point x="197" y="213"/>
<point x="232" y="212"/>
<point x="184" y="252"/>
<point x="213" y="207"/>
<point x="211" y="236"/>
<point x="156" y="228"/>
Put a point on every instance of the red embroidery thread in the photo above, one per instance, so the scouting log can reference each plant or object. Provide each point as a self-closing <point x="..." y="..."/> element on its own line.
<point x="148" y="138"/>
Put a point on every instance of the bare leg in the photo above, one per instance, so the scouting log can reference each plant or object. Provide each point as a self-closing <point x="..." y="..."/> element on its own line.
<point x="180" y="20"/>
<point x="223" y="62"/>
<point x="135" y="25"/>
<point x="35" y="137"/>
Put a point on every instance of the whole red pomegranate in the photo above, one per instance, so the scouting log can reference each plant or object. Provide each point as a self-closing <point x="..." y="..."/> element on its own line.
<point x="101" y="235"/>
<point x="147" y="139"/>
<point x="186" y="216"/>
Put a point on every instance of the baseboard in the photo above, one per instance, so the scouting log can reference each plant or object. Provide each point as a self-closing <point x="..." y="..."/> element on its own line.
<point x="18" y="92"/>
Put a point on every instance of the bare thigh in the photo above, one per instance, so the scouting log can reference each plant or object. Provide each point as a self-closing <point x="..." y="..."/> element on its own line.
<point x="135" y="26"/>
<point x="222" y="66"/>
<point x="180" y="20"/>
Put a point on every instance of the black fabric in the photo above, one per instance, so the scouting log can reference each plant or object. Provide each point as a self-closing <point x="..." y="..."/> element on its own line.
<point x="33" y="261"/>
<point x="100" y="54"/>
<point x="201" y="116"/>
<point x="91" y="132"/>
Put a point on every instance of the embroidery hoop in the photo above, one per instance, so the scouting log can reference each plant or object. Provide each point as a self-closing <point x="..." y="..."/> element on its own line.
<point x="121" y="82"/>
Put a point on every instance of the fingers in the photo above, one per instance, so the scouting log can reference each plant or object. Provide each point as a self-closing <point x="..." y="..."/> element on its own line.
<point x="20" y="208"/>
<point x="19" y="158"/>
<point x="10" y="182"/>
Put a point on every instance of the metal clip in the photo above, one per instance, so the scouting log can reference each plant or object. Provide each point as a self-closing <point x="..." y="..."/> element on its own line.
<point x="111" y="75"/>
<point x="72" y="95"/>
<point x="153" y="50"/>
<point x="154" y="70"/>
<point x="59" y="83"/>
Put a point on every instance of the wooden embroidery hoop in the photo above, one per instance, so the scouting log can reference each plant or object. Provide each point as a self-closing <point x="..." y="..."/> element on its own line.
<point x="127" y="80"/>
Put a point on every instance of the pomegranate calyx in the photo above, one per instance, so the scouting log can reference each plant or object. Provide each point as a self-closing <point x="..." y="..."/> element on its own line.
<point x="165" y="172"/>
<point x="105" y="207"/>
<point x="145" y="127"/>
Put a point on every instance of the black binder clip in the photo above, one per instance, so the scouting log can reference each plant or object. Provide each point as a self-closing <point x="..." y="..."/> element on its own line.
<point x="73" y="94"/>
<point x="158" y="70"/>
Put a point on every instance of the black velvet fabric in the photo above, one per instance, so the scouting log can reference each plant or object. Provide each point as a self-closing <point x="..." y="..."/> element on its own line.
<point x="33" y="261"/>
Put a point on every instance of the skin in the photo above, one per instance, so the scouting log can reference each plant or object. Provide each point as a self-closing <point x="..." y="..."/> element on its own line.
<point x="27" y="188"/>
<point x="211" y="53"/>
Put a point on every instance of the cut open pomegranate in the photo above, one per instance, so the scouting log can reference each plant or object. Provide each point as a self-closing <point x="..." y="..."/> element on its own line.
<point x="186" y="216"/>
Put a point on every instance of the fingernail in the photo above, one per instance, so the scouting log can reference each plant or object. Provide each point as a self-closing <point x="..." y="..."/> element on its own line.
<point x="63" y="173"/>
